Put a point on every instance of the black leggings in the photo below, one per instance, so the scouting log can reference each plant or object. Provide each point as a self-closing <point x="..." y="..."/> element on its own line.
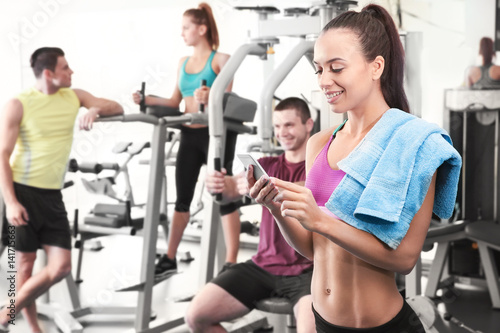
<point x="406" y="321"/>
<point x="191" y="155"/>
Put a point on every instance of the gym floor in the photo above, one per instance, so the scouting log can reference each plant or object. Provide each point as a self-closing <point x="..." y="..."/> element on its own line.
<point x="117" y="265"/>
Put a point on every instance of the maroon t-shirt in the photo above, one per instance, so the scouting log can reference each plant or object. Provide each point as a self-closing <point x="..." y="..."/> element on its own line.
<point x="274" y="254"/>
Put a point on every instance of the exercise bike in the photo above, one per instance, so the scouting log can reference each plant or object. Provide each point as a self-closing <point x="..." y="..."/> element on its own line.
<point x="111" y="218"/>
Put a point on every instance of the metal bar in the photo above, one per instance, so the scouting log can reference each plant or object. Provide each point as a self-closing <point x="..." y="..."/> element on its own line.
<point x="217" y="130"/>
<point x="125" y="118"/>
<point x="73" y="292"/>
<point x="464" y="162"/>
<point x="215" y="123"/>
<point x="188" y="118"/>
<point x="80" y="259"/>
<point x="413" y="284"/>
<point x="490" y="271"/>
<point x="143" y="314"/>
<point x="495" y="171"/>
<point x="436" y="270"/>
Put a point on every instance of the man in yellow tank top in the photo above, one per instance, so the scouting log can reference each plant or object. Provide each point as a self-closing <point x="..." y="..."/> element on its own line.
<point x="36" y="134"/>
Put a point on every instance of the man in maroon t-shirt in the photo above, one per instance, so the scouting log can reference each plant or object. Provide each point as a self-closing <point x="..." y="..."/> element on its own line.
<point x="276" y="269"/>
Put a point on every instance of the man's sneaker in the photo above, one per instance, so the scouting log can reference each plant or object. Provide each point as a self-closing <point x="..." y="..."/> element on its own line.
<point x="165" y="265"/>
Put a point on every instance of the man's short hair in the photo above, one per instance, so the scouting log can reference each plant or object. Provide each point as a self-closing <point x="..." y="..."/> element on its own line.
<point x="297" y="104"/>
<point x="45" y="58"/>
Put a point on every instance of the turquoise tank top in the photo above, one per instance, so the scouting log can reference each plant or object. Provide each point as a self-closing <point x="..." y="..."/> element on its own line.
<point x="188" y="82"/>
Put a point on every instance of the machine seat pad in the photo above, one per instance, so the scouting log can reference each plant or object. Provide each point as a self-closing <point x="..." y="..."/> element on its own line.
<point x="446" y="229"/>
<point x="138" y="148"/>
<point x="484" y="231"/>
<point x="103" y="221"/>
<point x="108" y="215"/>
<point x="121" y="147"/>
<point x="237" y="108"/>
<point x="119" y="210"/>
<point x="275" y="305"/>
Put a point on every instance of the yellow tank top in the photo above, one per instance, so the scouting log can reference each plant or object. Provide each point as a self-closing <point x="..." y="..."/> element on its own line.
<point x="45" y="137"/>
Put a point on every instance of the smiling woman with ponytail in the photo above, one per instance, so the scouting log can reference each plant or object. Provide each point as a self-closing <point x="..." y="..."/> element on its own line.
<point x="363" y="214"/>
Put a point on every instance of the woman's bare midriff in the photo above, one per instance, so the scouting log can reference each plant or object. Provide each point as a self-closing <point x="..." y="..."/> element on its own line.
<point x="192" y="107"/>
<point x="350" y="292"/>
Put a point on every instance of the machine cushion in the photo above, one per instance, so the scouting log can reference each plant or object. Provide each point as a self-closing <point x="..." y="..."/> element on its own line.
<point x="121" y="147"/>
<point x="275" y="305"/>
<point x="238" y="108"/>
<point x="138" y="148"/>
<point x="103" y="221"/>
<point x="484" y="231"/>
<point x="108" y="215"/>
<point x="446" y="229"/>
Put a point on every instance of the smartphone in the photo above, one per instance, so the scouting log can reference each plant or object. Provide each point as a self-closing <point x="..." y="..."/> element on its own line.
<point x="248" y="159"/>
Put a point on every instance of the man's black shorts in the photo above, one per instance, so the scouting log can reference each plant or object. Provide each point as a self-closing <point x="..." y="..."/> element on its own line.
<point x="48" y="221"/>
<point x="249" y="283"/>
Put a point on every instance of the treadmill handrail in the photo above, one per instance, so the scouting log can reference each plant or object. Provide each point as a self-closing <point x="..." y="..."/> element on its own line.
<point x="187" y="118"/>
<point x="140" y="117"/>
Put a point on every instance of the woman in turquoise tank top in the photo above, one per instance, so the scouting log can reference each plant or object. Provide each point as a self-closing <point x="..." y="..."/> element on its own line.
<point x="199" y="30"/>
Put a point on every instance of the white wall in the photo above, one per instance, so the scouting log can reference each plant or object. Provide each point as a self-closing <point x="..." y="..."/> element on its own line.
<point x="114" y="45"/>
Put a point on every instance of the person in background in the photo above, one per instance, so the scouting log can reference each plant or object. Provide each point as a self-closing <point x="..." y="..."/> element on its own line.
<point x="199" y="30"/>
<point x="486" y="76"/>
<point x="372" y="182"/>
<point x="36" y="136"/>
<point x="276" y="269"/>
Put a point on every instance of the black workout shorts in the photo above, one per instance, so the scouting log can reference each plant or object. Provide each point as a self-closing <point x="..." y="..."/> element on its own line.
<point x="406" y="321"/>
<point x="48" y="221"/>
<point x="249" y="283"/>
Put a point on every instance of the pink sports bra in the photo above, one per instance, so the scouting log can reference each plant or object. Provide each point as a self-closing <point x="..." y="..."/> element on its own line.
<point x="322" y="180"/>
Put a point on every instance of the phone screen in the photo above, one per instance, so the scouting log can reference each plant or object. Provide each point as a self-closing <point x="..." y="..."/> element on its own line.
<point x="248" y="159"/>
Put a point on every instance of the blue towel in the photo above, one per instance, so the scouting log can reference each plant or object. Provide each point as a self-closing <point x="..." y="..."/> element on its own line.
<point x="388" y="175"/>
